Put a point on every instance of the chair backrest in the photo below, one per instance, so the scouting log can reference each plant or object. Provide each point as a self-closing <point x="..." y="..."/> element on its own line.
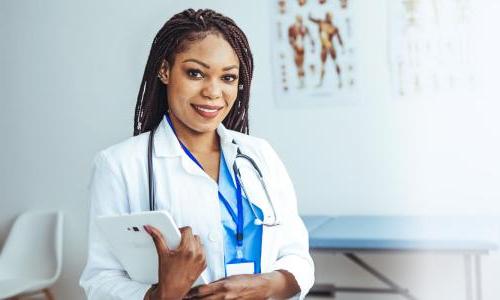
<point x="34" y="245"/>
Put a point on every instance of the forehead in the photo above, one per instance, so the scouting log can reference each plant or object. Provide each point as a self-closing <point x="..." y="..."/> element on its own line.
<point x="213" y="50"/>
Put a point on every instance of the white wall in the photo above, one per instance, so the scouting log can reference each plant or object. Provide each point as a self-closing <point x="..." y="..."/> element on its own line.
<point x="69" y="76"/>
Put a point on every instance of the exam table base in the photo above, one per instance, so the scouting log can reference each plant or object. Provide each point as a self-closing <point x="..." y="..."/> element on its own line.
<point x="329" y="290"/>
<point x="472" y="269"/>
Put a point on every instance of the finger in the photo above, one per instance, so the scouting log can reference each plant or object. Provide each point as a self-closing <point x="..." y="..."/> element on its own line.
<point x="213" y="297"/>
<point x="158" y="239"/>
<point x="186" y="236"/>
<point x="206" y="290"/>
<point x="220" y="279"/>
<point x="199" y="247"/>
<point x="193" y="292"/>
<point x="232" y="278"/>
<point x="197" y="239"/>
<point x="198" y="243"/>
<point x="189" y="294"/>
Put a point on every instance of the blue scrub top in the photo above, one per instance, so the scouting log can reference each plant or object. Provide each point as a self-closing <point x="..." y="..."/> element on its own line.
<point x="252" y="234"/>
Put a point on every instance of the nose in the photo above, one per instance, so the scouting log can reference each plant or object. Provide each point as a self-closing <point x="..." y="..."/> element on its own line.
<point x="212" y="90"/>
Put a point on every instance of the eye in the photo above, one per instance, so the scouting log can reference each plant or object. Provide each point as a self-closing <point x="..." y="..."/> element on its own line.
<point x="193" y="73"/>
<point x="229" y="78"/>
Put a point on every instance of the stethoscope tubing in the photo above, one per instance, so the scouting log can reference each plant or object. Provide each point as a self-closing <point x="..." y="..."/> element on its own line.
<point x="151" y="181"/>
<point x="263" y="185"/>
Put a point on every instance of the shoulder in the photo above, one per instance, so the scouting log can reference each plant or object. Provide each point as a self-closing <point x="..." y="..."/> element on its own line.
<point x="255" y="146"/>
<point x="132" y="149"/>
<point x="249" y="141"/>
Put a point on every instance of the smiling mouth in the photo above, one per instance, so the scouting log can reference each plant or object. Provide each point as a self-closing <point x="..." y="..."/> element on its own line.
<point x="207" y="111"/>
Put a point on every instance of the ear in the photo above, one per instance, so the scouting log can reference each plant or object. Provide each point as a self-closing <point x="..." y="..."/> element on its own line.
<point x="164" y="72"/>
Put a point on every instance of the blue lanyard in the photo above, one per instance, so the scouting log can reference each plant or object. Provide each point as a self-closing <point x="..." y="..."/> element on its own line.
<point x="237" y="218"/>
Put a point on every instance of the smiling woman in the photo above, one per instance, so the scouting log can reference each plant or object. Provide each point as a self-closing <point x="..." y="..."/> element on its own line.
<point x="193" y="108"/>
<point x="182" y="32"/>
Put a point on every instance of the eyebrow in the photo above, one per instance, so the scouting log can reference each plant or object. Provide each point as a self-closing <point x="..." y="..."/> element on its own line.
<point x="207" y="66"/>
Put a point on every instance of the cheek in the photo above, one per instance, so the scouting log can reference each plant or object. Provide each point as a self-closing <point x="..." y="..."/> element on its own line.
<point x="179" y="94"/>
<point x="231" y="95"/>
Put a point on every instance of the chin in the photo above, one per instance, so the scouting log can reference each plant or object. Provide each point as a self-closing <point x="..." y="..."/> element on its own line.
<point x="201" y="125"/>
<point x="205" y="127"/>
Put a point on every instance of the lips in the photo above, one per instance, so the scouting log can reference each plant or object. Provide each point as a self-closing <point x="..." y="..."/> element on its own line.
<point x="207" y="111"/>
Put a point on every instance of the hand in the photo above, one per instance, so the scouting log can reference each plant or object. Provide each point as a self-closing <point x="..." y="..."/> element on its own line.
<point x="276" y="285"/>
<point x="234" y="287"/>
<point x="177" y="269"/>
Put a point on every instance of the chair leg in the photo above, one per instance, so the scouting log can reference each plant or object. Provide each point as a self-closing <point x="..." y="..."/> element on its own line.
<point x="48" y="294"/>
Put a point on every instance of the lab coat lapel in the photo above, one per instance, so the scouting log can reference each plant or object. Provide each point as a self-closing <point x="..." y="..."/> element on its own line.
<point x="229" y="148"/>
<point x="165" y="141"/>
<point x="166" y="144"/>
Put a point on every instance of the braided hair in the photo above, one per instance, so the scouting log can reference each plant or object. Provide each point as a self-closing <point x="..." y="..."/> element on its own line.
<point x="174" y="37"/>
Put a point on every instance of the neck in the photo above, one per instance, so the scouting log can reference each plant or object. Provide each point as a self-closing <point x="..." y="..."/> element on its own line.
<point x="196" y="142"/>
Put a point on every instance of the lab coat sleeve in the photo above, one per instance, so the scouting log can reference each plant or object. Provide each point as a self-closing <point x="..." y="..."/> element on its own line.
<point x="103" y="276"/>
<point x="293" y="255"/>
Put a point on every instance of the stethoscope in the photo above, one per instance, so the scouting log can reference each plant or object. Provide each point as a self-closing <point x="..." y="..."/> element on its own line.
<point x="239" y="156"/>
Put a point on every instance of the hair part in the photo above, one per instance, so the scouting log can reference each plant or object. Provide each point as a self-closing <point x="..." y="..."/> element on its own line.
<point x="174" y="37"/>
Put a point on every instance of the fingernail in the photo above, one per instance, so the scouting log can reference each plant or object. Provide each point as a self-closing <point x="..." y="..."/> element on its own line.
<point x="146" y="227"/>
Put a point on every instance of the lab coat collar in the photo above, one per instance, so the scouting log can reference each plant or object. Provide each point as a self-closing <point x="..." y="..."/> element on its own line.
<point x="224" y="135"/>
<point x="167" y="145"/>
<point x="165" y="141"/>
<point x="229" y="148"/>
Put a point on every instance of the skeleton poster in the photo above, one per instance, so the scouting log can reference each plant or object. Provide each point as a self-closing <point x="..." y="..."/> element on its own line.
<point x="314" y="56"/>
<point x="430" y="47"/>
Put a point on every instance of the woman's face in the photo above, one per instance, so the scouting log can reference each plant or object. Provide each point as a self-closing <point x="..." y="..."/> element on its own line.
<point x="202" y="84"/>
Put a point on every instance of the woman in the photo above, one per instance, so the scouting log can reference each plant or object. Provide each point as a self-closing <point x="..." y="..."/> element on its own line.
<point x="194" y="101"/>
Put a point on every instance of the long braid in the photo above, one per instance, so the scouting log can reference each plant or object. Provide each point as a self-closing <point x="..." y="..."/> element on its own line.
<point x="184" y="27"/>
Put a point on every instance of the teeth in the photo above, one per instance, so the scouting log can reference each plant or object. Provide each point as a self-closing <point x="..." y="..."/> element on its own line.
<point x="206" y="109"/>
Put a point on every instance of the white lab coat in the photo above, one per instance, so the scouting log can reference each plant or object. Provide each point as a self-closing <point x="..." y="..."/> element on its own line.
<point x="119" y="185"/>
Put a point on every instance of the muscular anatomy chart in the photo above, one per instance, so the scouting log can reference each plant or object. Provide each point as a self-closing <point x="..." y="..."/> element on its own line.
<point x="327" y="32"/>
<point x="314" y="54"/>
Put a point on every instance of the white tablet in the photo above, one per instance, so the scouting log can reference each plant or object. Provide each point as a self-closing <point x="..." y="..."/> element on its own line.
<point x="135" y="248"/>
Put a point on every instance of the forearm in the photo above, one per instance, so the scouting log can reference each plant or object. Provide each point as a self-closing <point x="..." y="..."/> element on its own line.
<point x="282" y="284"/>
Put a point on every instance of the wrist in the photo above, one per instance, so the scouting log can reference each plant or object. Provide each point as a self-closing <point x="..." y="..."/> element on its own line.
<point x="281" y="284"/>
<point x="156" y="293"/>
<point x="272" y="284"/>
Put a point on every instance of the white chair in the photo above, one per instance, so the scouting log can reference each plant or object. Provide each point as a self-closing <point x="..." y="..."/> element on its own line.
<point x="31" y="259"/>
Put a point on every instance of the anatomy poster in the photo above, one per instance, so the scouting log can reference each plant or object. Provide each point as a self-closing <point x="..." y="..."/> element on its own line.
<point x="429" y="47"/>
<point x="314" y="56"/>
